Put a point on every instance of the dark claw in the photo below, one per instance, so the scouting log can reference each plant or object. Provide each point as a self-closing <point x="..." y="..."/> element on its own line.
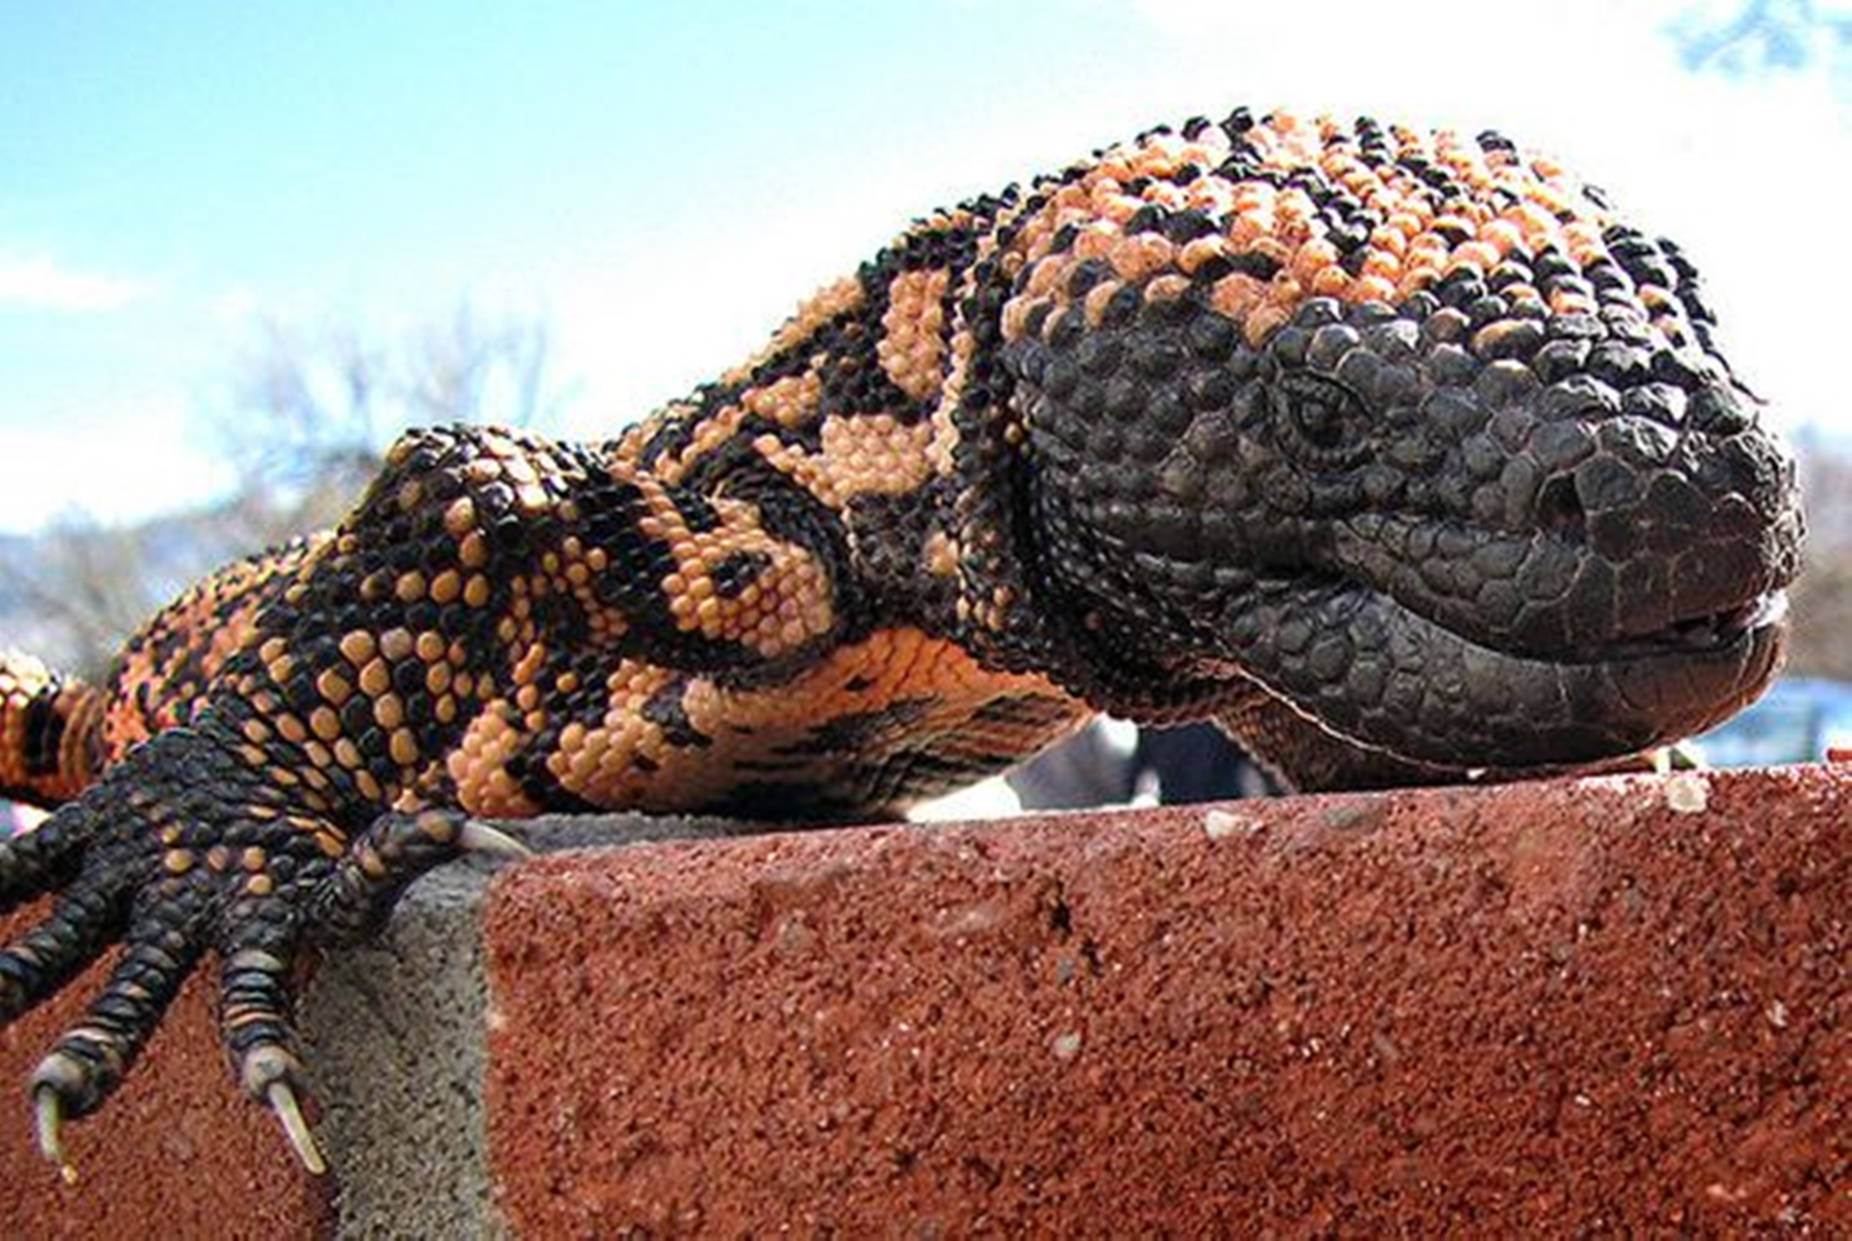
<point x="269" y="1073"/>
<point x="378" y="867"/>
<point x="48" y="1120"/>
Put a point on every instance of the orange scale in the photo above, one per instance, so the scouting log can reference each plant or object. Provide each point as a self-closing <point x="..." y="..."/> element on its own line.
<point x="1296" y="204"/>
<point x="1119" y="208"/>
<point x="1454" y="219"/>
<point x="1476" y="214"/>
<point x="1479" y="184"/>
<point x="1470" y="257"/>
<point x="1427" y="250"/>
<point x="1501" y="236"/>
<point x="1583" y="232"/>
<point x="1583" y="255"/>
<point x="1246" y="230"/>
<point x="1311" y="258"/>
<point x="1657" y="298"/>
<point x="1416" y="278"/>
<point x="1135" y="258"/>
<point x="1379" y="262"/>
<point x="1362" y="184"/>
<point x="1102" y="185"/>
<point x="1285" y="291"/>
<point x="1552" y="198"/>
<point x="1332" y="281"/>
<point x="1095" y="242"/>
<point x="1455" y="154"/>
<point x="1262" y="322"/>
<point x="1163" y="288"/>
<point x="1339" y="162"/>
<point x="1417" y="205"/>
<point x="1372" y="288"/>
<point x="1211" y="198"/>
<point x="1531" y="221"/>
<point x="1167" y="195"/>
<point x="1391" y="242"/>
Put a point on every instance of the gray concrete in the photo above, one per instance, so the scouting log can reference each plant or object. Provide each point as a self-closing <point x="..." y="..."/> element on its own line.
<point x="395" y="1033"/>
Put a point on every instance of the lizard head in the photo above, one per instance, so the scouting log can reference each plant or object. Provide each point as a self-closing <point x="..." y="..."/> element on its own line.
<point x="1413" y="431"/>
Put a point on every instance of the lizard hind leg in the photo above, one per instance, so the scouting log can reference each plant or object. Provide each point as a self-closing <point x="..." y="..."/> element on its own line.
<point x="51" y="732"/>
<point x="184" y="849"/>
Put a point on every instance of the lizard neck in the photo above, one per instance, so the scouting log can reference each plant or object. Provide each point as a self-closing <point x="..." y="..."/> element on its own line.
<point x="1033" y="599"/>
<point x="1025" y="595"/>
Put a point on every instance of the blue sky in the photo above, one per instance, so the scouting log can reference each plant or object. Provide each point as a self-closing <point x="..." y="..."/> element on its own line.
<point x="664" y="181"/>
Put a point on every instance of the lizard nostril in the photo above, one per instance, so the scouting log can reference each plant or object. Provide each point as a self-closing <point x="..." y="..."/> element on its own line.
<point x="1559" y="511"/>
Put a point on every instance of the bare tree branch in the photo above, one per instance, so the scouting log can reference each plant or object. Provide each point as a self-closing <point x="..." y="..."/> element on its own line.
<point x="310" y="413"/>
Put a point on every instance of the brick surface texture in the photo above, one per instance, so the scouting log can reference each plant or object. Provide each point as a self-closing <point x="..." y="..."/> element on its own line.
<point x="1605" y="1006"/>
<point x="1542" y="1009"/>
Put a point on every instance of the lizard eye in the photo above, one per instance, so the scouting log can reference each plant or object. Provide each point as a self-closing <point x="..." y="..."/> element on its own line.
<point x="1322" y="418"/>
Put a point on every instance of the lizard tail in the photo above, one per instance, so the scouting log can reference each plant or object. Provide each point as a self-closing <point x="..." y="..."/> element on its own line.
<point x="51" y="732"/>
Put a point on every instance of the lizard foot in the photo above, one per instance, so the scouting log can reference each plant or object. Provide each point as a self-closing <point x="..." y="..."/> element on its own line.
<point x="186" y="848"/>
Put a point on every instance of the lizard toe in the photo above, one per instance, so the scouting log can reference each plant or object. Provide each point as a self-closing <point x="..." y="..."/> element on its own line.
<point x="88" y="1061"/>
<point x="82" y="922"/>
<point x="256" y="1002"/>
<point x="383" y="861"/>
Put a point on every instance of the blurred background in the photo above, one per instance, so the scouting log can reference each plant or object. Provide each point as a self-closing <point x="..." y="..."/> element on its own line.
<point x="242" y="245"/>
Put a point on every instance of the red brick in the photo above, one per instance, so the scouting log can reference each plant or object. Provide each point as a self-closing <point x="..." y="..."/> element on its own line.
<point x="1556" y="1007"/>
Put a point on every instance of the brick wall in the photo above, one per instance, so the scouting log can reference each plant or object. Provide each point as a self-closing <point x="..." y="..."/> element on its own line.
<point x="1605" y="1005"/>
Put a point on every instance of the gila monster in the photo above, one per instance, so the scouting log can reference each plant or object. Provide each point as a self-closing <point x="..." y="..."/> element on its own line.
<point x="1399" y="454"/>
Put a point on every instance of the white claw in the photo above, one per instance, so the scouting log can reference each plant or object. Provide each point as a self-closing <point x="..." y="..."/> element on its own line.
<point x="481" y="838"/>
<point x="282" y="1101"/>
<point x="48" y="1111"/>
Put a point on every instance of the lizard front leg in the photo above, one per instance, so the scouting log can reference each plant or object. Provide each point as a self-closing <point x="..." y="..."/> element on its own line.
<point x="188" y="847"/>
<point x="328" y="762"/>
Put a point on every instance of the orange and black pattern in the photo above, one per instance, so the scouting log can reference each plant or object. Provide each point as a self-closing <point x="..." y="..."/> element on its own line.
<point x="1399" y="453"/>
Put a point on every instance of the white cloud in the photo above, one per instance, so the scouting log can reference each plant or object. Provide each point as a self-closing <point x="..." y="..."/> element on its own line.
<point x="137" y="463"/>
<point x="237" y="306"/>
<point x="37" y="282"/>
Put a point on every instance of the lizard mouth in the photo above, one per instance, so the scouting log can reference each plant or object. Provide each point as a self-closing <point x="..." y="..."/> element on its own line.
<point x="1703" y="633"/>
<point x="1386" y="676"/>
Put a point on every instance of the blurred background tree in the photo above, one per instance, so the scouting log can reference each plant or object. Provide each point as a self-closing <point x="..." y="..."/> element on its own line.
<point x="308" y="414"/>
<point x="312" y="411"/>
